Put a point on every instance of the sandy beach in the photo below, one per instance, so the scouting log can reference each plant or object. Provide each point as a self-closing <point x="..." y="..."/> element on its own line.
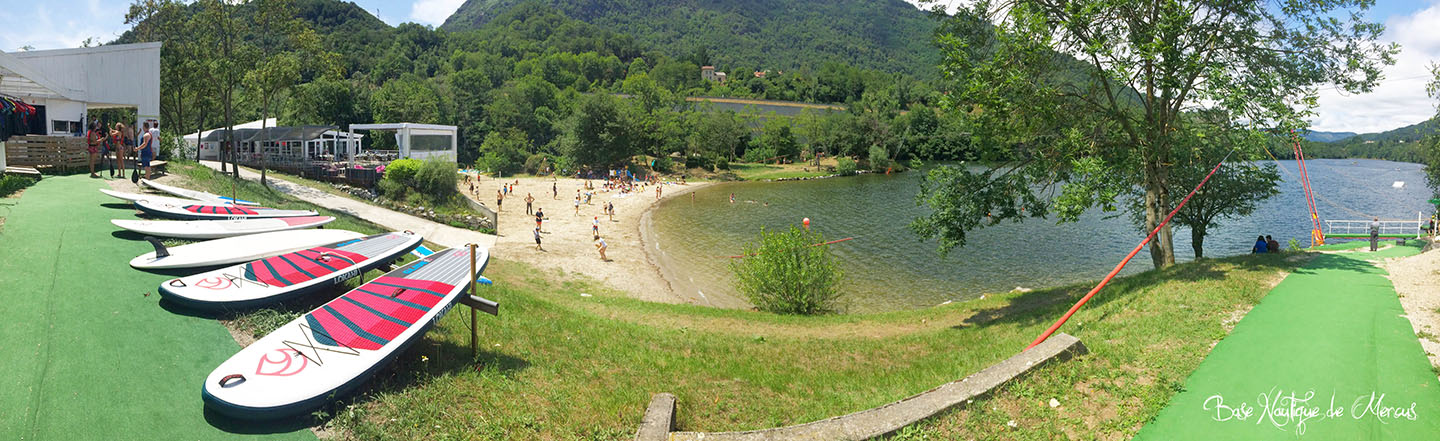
<point x="567" y="236"/>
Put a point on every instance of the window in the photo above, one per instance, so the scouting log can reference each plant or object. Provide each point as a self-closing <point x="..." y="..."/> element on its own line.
<point x="59" y="126"/>
<point x="430" y="143"/>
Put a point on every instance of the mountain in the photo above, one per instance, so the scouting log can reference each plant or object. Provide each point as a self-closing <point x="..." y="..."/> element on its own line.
<point x="750" y="35"/>
<point x="1327" y="136"/>
<point x="1402" y="144"/>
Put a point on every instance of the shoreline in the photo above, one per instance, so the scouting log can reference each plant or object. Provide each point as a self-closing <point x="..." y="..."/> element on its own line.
<point x="633" y="266"/>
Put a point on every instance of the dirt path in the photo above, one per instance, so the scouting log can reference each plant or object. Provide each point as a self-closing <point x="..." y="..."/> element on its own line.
<point x="1417" y="280"/>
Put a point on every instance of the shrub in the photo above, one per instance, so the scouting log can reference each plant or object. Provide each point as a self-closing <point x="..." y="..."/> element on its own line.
<point x="535" y="164"/>
<point x="664" y="164"/>
<point x="879" y="158"/>
<point x="402" y="171"/>
<point x="496" y="163"/>
<point x="9" y="184"/>
<point x="436" y="179"/>
<point x="845" y="166"/>
<point x="787" y="274"/>
<point x="699" y="161"/>
<point x="722" y="164"/>
<point x="758" y="154"/>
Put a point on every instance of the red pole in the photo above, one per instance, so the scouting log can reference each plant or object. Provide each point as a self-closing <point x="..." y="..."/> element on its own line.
<point x="1122" y="263"/>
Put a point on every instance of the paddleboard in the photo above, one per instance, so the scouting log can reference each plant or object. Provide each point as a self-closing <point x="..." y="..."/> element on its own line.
<point x="216" y="229"/>
<point x="289" y="275"/>
<point x="330" y="351"/>
<point x="194" y="194"/>
<point x="204" y="211"/>
<point x="132" y="197"/>
<point x="232" y="250"/>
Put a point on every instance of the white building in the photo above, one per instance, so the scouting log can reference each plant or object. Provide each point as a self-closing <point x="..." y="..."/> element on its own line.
<point x="66" y="83"/>
<point x="417" y="141"/>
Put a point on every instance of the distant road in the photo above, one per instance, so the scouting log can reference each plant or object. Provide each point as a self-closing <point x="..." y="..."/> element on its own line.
<point x="787" y="108"/>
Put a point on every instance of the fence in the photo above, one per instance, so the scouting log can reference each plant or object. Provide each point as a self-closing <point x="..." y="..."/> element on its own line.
<point x="1361" y="228"/>
<point x="56" y="153"/>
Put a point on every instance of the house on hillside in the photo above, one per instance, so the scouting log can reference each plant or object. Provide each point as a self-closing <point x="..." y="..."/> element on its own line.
<point x="708" y="73"/>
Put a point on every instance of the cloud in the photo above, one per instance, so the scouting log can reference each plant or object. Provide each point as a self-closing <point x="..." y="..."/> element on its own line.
<point x="433" y="12"/>
<point x="41" y="29"/>
<point x="1400" y="100"/>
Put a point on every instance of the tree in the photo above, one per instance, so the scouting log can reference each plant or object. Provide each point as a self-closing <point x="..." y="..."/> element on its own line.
<point x="596" y="134"/>
<point x="780" y="137"/>
<point x="1431" y="150"/>
<point x="1232" y="192"/>
<point x="504" y="151"/>
<point x="718" y="133"/>
<point x="1105" y="85"/>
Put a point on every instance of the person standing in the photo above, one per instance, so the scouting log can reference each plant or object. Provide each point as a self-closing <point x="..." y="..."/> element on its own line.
<point x="554" y="191"/>
<point x="610" y="209"/>
<point x="595" y="226"/>
<point x="529" y="200"/>
<point x="577" y="204"/>
<point x="146" y="150"/>
<point x="539" y="217"/>
<point x="499" y="199"/>
<point x="657" y="193"/>
<point x="537" y="240"/>
<point x="93" y="140"/>
<point x="116" y="143"/>
<point x="1374" y="234"/>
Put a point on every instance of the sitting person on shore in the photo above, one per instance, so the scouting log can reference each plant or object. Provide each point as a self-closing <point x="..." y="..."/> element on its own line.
<point x="1261" y="247"/>
<point x="1272" y="244"/>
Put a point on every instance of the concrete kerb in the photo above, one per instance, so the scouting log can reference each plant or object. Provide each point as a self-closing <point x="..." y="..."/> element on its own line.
<point x="659" y="418"/>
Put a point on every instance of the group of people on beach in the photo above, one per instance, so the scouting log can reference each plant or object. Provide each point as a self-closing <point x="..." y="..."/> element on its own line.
<point x="1265" y="244"/>
<point x="117" y="143"/>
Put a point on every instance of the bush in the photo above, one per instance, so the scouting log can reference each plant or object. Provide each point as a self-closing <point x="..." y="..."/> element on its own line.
<point x="786" y="274"/>
<point x="664" y="164"/>
<point x="436" y="179"/>
<point x="535" y="164"/>
<point x="9" y="184"/>
<point x="699" y="161"/>
<point x="879" y="158"/>
<point x="758" y="154"/>
<point x="722" y="164"/>
<point x="402" y="171"/>
<point x="845" y="166"/>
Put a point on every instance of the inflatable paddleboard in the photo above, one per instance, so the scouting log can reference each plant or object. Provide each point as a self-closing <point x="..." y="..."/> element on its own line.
<point x="289" y="275"/>
<point x="204" y="211"/>
<point x="330" y="351"/>
<point x="193" y="194"/>
<point x="132" y="197"/>
<point x="216" y="229"/>
<point x="232" y="250"/>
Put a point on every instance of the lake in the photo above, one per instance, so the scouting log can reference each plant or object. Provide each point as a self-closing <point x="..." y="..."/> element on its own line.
<point x="888" y="268"/>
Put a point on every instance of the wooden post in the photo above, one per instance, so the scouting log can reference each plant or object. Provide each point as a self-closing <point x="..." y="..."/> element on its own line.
<point x="474" y="337"/>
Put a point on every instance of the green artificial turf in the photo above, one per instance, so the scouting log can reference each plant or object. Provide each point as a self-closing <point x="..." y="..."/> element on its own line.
<point x="1327" y="355"/>
<point x="87" y="350"/>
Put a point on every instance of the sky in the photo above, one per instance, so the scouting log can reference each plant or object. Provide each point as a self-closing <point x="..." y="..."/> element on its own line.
<point x="1398" y="101"/>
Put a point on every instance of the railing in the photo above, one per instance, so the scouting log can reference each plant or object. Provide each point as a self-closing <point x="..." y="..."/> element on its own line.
<point x="46" y="152"/>
<point x="1361" y="228"/>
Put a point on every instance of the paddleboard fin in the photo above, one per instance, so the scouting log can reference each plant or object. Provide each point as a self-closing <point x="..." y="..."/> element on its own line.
<point x="160" y="250"/>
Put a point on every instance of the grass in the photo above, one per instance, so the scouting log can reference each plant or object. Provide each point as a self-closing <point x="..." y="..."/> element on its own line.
<point x="761" y="172"/>
<point x="556" y="365"/>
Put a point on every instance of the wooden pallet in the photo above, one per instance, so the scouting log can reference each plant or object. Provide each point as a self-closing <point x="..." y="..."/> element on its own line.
<point x="55" y="152"/>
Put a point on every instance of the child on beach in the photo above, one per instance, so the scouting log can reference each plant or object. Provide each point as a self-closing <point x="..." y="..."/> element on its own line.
<point x="577" y="205"/>
<point x="537" y="239"/>
<point x="600" y="245"/>
<point x="595" y="226"/>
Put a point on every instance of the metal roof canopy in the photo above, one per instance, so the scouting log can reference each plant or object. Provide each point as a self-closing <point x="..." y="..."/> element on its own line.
<point x="240" y="135"/>
<point x="300" y="133"/>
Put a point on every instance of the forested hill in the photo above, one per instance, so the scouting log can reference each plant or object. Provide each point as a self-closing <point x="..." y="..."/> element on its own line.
<point x="1402" y="144"/>
<point x="742" y="36"/>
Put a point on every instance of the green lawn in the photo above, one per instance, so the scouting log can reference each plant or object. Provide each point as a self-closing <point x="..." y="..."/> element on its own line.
<point x="761" y="172"/>
<point x="560" y="365"/>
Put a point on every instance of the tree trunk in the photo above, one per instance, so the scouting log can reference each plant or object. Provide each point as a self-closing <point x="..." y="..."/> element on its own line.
<point x="1197" y="241"/>
<point x="1157" y="206"/>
